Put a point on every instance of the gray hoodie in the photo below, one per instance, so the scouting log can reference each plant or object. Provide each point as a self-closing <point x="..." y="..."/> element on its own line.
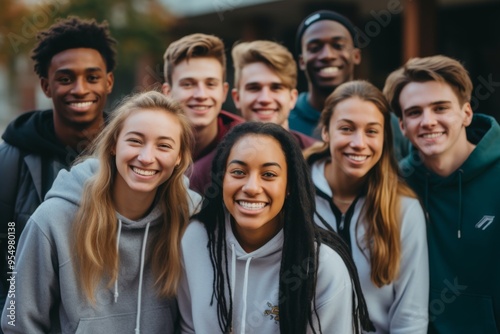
<point x="44" y="295"/>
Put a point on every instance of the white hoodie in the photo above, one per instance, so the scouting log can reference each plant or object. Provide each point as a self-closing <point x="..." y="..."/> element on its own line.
<point x="255" y="283"/>
<point x="402" y="306"/>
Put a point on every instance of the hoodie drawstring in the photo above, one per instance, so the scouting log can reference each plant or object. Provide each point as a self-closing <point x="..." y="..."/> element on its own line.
<point x="233" y="277"/>
<point x="426" y="201"/>
<point x="245" y="290"/>
<point x="459" y="232"/>
<point x="139" y="293"/>
<point x="117" y="249"/>
<point x="245" y="286"/>
<point x="141" y="273"/>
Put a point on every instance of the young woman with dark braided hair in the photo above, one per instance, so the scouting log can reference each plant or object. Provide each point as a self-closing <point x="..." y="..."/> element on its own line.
<point x="254" y="261"/>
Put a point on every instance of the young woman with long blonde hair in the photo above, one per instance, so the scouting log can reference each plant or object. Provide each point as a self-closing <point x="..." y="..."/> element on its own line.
<point x="102" y="253"/>
<point x="360" y="195"/>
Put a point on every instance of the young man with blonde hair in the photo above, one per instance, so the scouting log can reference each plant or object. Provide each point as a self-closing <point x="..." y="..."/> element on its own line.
<point x="195" y="76"/>
<point x="453" y="166"/>
<point x="265" y="77"/>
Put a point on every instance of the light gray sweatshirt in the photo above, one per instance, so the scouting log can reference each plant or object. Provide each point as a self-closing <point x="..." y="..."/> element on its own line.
<point x="400" y="307"/>
<point x="47" y="297"/>
<point x="254" y="279"/>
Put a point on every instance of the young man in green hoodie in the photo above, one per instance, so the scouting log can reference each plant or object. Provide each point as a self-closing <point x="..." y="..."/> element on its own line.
<point x="454" y="166"/>
<point x="74" y="60"/>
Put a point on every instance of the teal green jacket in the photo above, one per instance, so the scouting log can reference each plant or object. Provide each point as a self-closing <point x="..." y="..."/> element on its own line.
<point x="463" y="234"/>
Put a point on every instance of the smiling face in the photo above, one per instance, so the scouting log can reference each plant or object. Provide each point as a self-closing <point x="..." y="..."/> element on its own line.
<point x="147" y="150"/>
<point x="356" y="137"/>
<point x="78" y="84"/>
<point x="328" y="55"/>
<point x="434" y="120"/>
<point x="254" y="188"/>
<point x="198" y="85"/>
<point x="262" y="96"/>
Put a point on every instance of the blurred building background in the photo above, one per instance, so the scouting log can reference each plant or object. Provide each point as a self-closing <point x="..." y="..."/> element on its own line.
<point x="391" y="31"/>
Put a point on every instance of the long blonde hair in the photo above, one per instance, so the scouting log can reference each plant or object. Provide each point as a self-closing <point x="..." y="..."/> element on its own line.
<point x="95" y="225"/>
<point x="384" y="185"/>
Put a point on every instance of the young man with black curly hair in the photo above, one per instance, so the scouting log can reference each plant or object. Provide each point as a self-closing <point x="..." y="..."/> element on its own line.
<point x="74" y="59"/>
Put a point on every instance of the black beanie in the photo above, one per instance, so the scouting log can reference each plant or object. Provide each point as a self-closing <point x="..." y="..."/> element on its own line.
<point x="324" y="15"/>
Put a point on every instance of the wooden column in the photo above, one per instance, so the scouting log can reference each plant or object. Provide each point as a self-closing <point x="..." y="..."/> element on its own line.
<point x="419" y="28"/>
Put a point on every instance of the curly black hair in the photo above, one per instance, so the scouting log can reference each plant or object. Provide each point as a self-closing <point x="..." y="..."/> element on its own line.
<point x="71" y="33"/>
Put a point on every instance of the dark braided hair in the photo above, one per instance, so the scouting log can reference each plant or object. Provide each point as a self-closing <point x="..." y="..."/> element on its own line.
<point x="73" y="33"/>
<point x="301" y="240"/>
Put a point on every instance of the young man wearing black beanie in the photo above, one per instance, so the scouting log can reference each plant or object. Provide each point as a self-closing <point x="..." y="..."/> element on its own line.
<point x="327" y="53"/>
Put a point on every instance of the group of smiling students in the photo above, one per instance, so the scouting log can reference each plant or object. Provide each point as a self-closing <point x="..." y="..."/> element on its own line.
<point x="111" y="248"/>
<point x="329" y="239"/>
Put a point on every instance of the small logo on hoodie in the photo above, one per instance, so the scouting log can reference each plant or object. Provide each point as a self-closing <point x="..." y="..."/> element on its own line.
<point x="273" y="312"/>
<point x="485" y="222"/>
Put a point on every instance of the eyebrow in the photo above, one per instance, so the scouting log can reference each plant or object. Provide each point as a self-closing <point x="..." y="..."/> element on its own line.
<point x="267" y="164"/>
<point x="435" y="103"/>
<point x="142" y="136"/>
<point x="320" y="40"/>
<point x="69" y="71"/>
<point x="199" y="79"/>
<point x="351" y="122"/>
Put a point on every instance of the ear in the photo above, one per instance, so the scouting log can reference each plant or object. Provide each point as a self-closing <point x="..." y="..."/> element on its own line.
<point x="468" y="114"/>
<point x="44" y="83"/>
<point x="325" y="135"/>
<point x="402" y="126"/>
<point x="178" y="161"/>
<point x="236" y="97"/>
<point x="356" y="56"/>
<point x="302" y="64"/>
<point x="110" y="80"/>
<point x="225" y="91"/>
<point x="166" y="89"/>
<point x="293" y="98"/>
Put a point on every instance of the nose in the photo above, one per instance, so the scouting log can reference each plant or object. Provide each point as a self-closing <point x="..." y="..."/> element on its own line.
<point x="79" y="87"/>
<point x="327" y="52"/>
<point x="200" y="91"/>
<point x="252" y="185"/>
<point x="428" y="118"/>
<point x="146" y="155"/>
<point x="358" y="140"/>
<point x="264" y="96"/>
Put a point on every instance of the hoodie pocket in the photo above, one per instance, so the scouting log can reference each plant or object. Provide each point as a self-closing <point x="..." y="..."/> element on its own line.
<point x="160" y="320"/>
<point x="458" y="312"/>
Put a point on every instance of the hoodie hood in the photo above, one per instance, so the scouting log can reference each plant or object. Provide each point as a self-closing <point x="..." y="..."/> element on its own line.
<point x="272" y="247"/>
<point x="268" y="253"/>
<point x="34" y="132"/>
<point x="69" y="186"/>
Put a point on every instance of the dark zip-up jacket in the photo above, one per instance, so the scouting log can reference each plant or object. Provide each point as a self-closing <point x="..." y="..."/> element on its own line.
<point x="30" y="158"/>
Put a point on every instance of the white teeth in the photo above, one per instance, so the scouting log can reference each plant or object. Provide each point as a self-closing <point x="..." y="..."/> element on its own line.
<point x="265" y="112"/>
<point x="329" y="70"/>
<point x="252" y="206"/>
<point x="143" y="172"/>
<point x="81" y="104"/>
<point x="432" y="135"/>
<point x="200" y="107"/>
<point x="357" y="157"/>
